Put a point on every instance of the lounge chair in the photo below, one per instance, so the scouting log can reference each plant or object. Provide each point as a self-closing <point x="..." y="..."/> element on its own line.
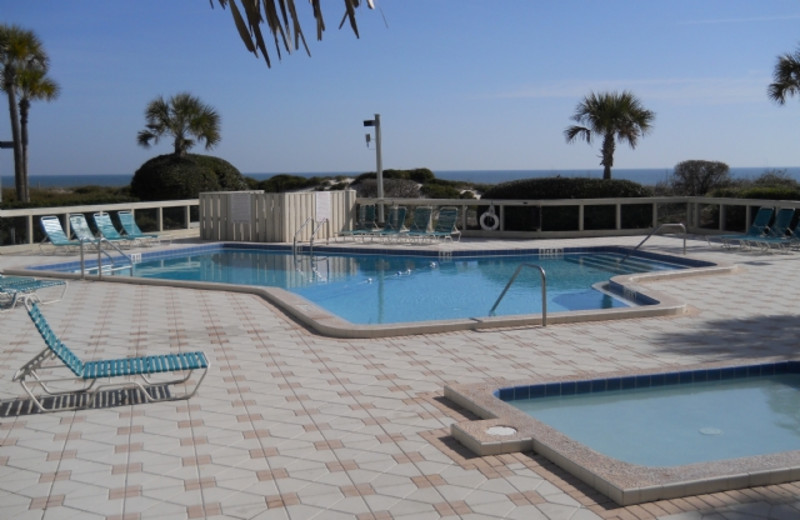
<point x="80" y="228"/>
<point x="782" y="241"/>
<point x="421" y="223"/>
<point x="757" y="229"/>
<point x="132" y="372"/>
<point x="367" y="223"/>
<point x="131" y="229"/>
<point x="780" y="227"/>
<point x="14" y="288"/>
<point x="446" y="225"/>
<point x="54" y="233"/>
<point x="106" y="228"/>
<point x="395" y="225"/>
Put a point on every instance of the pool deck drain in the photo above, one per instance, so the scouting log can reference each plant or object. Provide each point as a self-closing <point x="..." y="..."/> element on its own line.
<point x="289" y="424"/>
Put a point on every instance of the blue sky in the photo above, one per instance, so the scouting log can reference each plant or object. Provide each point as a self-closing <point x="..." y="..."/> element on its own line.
<point x="459" y="84"/>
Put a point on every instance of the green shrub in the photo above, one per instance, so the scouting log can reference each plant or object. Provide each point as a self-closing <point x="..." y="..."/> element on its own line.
<point x="283" y="182"/>
<point x="170" y="177"/>
<point x="760" y="192"/>
<point x="440" y="191"/>
<point x="51" y="197"/>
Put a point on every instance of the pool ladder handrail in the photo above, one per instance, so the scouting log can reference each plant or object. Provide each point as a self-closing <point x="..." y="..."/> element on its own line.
<point x="653" y="232"/>
<point x="543" y="276"/>
<point x="316" y="226"/>
<point x="99" y="244"/>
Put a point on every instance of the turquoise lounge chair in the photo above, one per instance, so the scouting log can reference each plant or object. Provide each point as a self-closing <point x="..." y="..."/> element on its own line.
<point x="81" y="229"/>
<point x="447" y="225"/>
<point x="128" y="372"/>
<point x="789" y="238"/>
<point x="103" y="223"/>
<point x="54" y="233"/>
<point x="131" y="229"/>
<point x="758" y="228"/>
<point x="421" y="222"/>
<point x="367" y="222"/>
<point x="395" y="224"/>
<point x="14" y="288"/>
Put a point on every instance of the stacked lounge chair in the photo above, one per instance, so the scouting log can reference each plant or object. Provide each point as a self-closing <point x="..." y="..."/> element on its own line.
<point x="132" y="231"/>
<point x="446" y="225"/>
<point x="394" y="227"/>
<point x="80" y="227"/>
<point x="55" y="235"/>
<point x="758" y="228"/>
<point x="420" y="227"/>
<point x="367" y="223"/>
<point x="106" y="228"/>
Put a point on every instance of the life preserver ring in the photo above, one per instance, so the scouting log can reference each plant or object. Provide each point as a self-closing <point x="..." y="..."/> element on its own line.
<point x="489" y="220"/>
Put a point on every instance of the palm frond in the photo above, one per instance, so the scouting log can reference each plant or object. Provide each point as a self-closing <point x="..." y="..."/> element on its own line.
<point x="786" y="78"/>
<point x="282" y="21"/>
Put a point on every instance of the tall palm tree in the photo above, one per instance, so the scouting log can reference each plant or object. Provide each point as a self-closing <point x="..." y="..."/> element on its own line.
<point x="20" y="49"/>
<point x="182" y="116"/>
<point x="282" y="22"/>
<point x="33" y="84"/>
<point x="787" y="77"/>
<point x="614" y="117"/>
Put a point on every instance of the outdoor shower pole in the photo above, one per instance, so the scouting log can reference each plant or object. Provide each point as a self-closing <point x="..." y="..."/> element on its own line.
<point x="379" y="162"/>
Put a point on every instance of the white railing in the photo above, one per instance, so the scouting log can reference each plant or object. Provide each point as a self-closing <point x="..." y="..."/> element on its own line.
<point x="275" y="218"/>
<point x="32" y="215"/>
<point x="693" y="212"/>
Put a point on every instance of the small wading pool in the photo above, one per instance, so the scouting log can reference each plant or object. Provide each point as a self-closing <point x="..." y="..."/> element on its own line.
<point x="646" y="437"/>
<point x="371" y="293"/>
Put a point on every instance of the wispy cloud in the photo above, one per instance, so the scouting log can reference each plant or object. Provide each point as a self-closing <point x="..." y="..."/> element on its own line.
<point x="718" y="91"/>
<point x="752" y="19"/>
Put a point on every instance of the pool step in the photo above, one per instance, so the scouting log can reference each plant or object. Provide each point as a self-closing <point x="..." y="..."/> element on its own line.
<point x="613" y="263"/>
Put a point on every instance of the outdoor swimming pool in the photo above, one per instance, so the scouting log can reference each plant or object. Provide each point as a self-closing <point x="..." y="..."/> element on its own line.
<point x="647" y="436"/>
<point x="414" y="286"/>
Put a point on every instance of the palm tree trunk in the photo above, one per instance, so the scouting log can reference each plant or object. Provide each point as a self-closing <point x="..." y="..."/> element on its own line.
<point x="608" y="155"/>
<point x="24" y="109"/>
<point x="19" y="183"/>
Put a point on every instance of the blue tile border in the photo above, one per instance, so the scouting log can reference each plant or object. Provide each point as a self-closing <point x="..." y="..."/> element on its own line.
<point x="588" y="386"/>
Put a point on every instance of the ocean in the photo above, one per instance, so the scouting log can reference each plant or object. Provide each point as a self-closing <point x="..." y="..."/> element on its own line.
<point x="647" y="176"/>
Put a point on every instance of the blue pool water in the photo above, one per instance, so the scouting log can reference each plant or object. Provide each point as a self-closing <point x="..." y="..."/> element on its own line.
<point x="393" y="288"/>
<point x="679" y="423"/>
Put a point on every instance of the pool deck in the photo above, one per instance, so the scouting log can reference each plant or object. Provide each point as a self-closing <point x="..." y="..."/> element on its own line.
<point x="292" y="425"/>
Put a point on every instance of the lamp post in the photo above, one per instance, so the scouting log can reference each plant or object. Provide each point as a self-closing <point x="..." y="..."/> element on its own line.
<point x="378" y="160"/>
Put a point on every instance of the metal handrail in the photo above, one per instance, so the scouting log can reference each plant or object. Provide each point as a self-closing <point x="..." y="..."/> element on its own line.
<point x="296" y="233"/>
<point x="653" y="232"/>
<point x="317" y="227"/>
<point x="100" y="251"/>
<point x="514" y="277"/>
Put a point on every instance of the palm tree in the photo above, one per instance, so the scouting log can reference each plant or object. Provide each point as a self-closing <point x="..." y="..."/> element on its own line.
<point x="33" y="85"/>
<point x="182" y="116"/>
<point x="20" y="50"/>
<point x="787" y="77"/>
<point x="615" y="117"/>
<point x="281" y="19"/>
